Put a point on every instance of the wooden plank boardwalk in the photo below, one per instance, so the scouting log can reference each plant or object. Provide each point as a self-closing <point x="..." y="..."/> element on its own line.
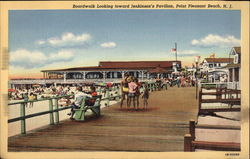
<point x="161" y="128"/>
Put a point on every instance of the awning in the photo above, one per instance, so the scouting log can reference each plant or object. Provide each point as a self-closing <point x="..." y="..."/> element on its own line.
<point x="36" y="85"/>
<point x="217" y="72"/>
<point x="231" y="65"/>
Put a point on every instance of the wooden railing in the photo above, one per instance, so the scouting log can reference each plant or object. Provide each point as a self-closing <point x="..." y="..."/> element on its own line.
<point x="190" y="144"/>
<point x="51" y="111"/>
<point x="53" y="108"/>
<point x="223" y="95"/>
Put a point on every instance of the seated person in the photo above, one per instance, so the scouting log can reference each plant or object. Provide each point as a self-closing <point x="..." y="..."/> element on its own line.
<point x="93" y="93"/>
<point x="79" y="95"/>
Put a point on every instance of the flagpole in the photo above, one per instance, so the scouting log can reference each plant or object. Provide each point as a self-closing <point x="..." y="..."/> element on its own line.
<point x="175" y="51"/>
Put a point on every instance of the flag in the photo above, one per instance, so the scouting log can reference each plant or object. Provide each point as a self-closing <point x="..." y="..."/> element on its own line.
<point x="173" y="50"/>
<point x="212" y="55"/>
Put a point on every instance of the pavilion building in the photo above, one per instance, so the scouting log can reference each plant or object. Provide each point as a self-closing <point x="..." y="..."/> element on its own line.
<point x="110" y="70"/>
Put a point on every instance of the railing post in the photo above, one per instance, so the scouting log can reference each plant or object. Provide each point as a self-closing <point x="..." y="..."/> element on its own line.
<point x="187" y="143"/>
<point x="108" y="96"/>
<point x="100" y="90"/>
<point x="118" y="93"/>
<point x="200" y="98"/>
<point x="192" y="128"/>
<point x="51" y="114"/>
<point x="56" y="113"/>
<point x="23" y="122"/>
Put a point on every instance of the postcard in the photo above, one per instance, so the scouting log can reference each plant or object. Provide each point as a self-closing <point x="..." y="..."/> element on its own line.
<point x="125" y="79"/>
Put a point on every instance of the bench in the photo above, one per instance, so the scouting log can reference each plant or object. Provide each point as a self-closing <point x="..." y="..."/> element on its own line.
<point x="96" y="108"/>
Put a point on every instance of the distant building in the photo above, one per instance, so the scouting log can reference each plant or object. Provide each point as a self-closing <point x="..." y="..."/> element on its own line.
<point x="213" y="64"/>
<point x="214" y="68"/>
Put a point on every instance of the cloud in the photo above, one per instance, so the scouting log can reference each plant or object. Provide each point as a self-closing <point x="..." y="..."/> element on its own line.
<point x="27" y="58"/>
<point x="67" y="40"/>
<point x="40" y="42"/>
<point x="213" y="40"/>
<point x="34" y="59"/>
<point x="63" y="55"/>
<point x="185" y="53"/>
<point x="108" y="45"/>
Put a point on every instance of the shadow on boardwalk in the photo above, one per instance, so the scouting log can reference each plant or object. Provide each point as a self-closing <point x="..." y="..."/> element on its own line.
<point x="161" y="128"/>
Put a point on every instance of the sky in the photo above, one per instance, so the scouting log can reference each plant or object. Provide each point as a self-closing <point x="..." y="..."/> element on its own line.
<point x="53" y="39"/>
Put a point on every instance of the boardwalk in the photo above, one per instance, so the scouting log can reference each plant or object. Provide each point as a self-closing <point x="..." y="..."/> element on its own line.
<point x="161" y="128"/>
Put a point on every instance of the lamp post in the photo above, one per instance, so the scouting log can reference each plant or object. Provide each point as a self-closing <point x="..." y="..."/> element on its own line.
<point x="196" y="60"/>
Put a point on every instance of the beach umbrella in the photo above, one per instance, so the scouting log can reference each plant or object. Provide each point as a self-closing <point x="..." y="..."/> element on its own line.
<point x="101" y="84"/>
<point x="11" y="90"/>
<point x="109" y="84"/>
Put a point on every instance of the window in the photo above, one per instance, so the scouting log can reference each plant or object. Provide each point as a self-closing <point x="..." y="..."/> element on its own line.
<point x="236" y="74"/>
<point x="210" y="65"/>
<point x="230" y="75"/>
<point x="236" y="59"/>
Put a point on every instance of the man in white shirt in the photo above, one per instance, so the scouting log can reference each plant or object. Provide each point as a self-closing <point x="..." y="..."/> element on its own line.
<point x="79" y="96"/>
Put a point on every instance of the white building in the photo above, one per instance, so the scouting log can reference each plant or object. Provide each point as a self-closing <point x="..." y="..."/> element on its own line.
<point x="234" y="68"/>
<point x="215" y="69"/>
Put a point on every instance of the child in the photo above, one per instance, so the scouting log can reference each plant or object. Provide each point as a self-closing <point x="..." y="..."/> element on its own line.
<point x="137" y="92"/>
<point x="145" y="96"/>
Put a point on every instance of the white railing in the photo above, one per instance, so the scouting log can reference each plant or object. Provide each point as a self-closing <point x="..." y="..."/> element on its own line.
<point x="233" y="85"/>
<point x="44" y="81"/>
<point x="218" y="84"/>
<point x="228" y="85"/>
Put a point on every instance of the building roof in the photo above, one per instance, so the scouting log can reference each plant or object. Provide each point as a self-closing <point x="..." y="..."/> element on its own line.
<point x="219" y="60"/>
<point x="136" y="64"/>
<point x="158" y="70"/>
<point x="237" y="50"/>
<point x="121" y="65"/>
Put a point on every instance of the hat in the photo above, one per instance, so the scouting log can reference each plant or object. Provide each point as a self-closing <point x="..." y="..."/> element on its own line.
<point x="130" y="79"/>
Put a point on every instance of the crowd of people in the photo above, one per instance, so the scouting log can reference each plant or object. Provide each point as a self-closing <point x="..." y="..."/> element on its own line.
<point x="41" y="92"/>
<point x="131" y="91"/>
<point x="185" y="81"/>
